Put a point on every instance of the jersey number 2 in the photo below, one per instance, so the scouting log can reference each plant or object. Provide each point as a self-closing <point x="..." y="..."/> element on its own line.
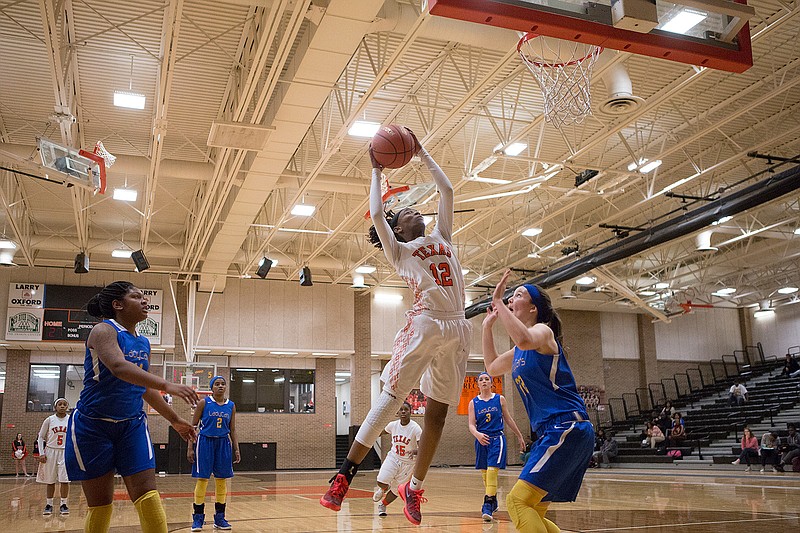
<point x="441" y="274"/>
<point x="219" y="422"/>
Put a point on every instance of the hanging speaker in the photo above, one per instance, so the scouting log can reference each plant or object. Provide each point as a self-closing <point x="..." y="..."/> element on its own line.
<point x="263" y="267"/>
<point x="81" y="263"/>
<point x="140" y="260"/>
<point x="305" y="277"/>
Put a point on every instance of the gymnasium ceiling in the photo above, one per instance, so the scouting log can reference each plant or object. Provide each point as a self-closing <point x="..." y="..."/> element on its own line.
<point x="304" y="71"/>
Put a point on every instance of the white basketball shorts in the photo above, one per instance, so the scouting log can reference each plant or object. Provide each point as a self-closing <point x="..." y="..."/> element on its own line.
<point x="432" y="352"/>
<point x="55" y="469"/>
<point x="394" y="471"/>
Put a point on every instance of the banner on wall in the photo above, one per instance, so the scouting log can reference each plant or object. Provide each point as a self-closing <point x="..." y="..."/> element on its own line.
<point x="470" y="389"/>
<point x="38" y="312"/>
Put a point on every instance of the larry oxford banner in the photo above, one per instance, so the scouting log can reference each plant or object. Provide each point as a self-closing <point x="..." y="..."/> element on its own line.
<point x="470" y="389"/>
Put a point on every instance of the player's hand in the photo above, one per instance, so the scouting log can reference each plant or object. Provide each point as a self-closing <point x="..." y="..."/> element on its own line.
<point x="375" y="163"/>
<point x="185" y="430"/>
<point x="42" y="458"/>
<point x="483" y="438"/>
<point x="237" y="457"/>
<point x="522" y="444"/>
<point x="491" y="316"/>
<point x="500" y="289"/>
<point x="190" y="454"/>
<point x="188" y="394"/>
<point x="418" y="145"/>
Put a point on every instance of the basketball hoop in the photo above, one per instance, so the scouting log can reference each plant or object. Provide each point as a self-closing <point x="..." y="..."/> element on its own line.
<point x="563" y="70"/>
<point x="100" y="150"/>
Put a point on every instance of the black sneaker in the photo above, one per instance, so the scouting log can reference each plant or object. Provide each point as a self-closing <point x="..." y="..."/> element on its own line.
<point x="64" y="509"/>
<point x="48" y="510"/>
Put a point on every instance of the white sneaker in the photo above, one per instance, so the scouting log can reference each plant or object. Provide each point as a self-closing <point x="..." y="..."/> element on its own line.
<point x="377" y="495"/>
<point x="381" y="510"/>
<point x="762" y="470"/>
<point x="747" y="469"/>
<point x="774" y="469"/>
<point x="736" y="462"/>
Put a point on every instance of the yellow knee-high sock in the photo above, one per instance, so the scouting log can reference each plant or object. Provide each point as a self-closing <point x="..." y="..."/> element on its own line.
<point x="152" y="517"/>
<point x="98" y="519"/>
<point x="200" y="491"/>
<point x="491" y="481"/>
<point x="522" y="502"/>
<point x="221" y="490"/>
<point x="541" y="508"/>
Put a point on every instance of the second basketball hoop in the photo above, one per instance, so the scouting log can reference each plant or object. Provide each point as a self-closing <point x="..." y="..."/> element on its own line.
<point x="563" y="70"/>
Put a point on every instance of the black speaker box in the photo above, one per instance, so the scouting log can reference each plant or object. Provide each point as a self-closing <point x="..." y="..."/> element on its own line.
<point x="305" y="277"/>
<point x="140" y="260"/>
<point x="81" y="263"/>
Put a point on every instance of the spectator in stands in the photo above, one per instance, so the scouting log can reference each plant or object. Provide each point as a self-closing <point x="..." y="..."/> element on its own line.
<point x="654" y="435"/>
<point x="738" y="393"/>
<point x="791" y="446"/>
<point x="677" y="433"/>
<point x="770" y="444"/>
<point x="668" y="410"/>
<point x="749" y="449"/>
<point x="791" y="367"/>
<point x="663" y="421"/>
<point x="608" y="450"/>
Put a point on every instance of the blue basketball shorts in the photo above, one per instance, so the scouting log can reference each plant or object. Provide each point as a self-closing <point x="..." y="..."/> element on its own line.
<point x="492" y="455"/>
<point x="96" y="447"/>
<point x="213" y="455"/>
<point x="559" y="460"/>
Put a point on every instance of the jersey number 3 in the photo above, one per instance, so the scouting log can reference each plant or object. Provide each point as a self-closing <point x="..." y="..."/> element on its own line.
<point x="441" y="274"/>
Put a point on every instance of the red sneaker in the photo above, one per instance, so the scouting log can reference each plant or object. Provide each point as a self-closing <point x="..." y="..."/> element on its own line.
<point x="336" y="493"/>
<point x="412" y="499"/>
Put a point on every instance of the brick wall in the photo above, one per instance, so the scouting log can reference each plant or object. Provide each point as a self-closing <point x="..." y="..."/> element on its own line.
<point x="14" y="414"/>
<point x="621" y="376"/>
<point x="583" y="346"/>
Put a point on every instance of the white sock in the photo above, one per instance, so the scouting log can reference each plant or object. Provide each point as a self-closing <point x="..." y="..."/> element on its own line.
<point x="63" y="501"/>
<point x="415" y="484"/>
<point x="49" y="501"/>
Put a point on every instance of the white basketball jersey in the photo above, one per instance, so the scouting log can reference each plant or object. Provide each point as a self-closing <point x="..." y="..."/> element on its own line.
<point x="54" y="432"/>
<point x="404" y="438"/>
<point x="431" y="269"/>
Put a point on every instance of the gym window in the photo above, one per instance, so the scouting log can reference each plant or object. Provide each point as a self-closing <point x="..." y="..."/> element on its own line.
<point x="48" y="382"/>
<point x="272" y="390"/>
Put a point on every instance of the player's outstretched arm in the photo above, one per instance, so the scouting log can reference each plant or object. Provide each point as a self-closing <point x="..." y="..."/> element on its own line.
<point x="444" y="217"/>
<point x="524" y="338"/>
<point x="496" y="365"/>
<point x="102" y="344"/>
<point x="388" y="241"/>
<point x="157" y="402"/>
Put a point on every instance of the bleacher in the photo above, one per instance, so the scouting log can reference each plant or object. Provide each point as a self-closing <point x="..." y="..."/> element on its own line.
<point x="713" y="427"/>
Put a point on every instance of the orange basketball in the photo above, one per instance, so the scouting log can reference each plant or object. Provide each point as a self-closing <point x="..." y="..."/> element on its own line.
<point x="393" y="146"/>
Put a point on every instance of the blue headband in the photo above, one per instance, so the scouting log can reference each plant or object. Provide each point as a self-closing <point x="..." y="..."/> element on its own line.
<point x="482" y="373"/>
<point x="539" y="302"/>
<point x="215" y="378"/>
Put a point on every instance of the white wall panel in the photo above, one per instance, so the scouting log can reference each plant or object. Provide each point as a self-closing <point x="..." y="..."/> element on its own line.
<point x="277" y="315"/>
<point x="778" y="332"/>
<point x="699" y="336"/>
<point x="620" y="336"/>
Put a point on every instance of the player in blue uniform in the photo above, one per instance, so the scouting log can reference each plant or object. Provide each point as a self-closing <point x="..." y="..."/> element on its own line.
<point x="558" y="460"/>
<point x="216" y="450"/>
<point x="487" y="415"/>
<point x="107" y="433"/>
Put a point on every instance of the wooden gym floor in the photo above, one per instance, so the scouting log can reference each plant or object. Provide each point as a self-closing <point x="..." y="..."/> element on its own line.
<point x="617" y="500"/>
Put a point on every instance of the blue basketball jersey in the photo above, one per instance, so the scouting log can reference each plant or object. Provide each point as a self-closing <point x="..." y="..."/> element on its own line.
<point x="546" y="385"/>
<point x="106" y="396"/>
<point x="488" y="415"/>
<point x="216" y="419"/>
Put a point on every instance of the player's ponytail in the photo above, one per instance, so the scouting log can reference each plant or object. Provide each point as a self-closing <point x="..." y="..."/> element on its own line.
<point x="100" y="305"/>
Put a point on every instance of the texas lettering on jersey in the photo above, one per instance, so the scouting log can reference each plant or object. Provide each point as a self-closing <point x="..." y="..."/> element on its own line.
<point x="430" y="250"/>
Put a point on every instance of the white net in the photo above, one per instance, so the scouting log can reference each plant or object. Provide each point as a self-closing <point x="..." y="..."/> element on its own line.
<point x="563" y="70"/>
<point x="100" y="150"/>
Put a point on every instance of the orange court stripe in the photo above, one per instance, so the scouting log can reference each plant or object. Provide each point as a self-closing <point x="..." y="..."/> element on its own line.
<point x="301" y="491"/>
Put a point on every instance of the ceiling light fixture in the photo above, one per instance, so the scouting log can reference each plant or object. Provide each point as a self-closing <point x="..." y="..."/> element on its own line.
<point x="125" y="195"/>
<point x="494" y="181"/>
<point x="661" y="285"/>
<point x="121" y="253"/>
<point x="585" y="280"/>
<point x="647" y="293"/>
<point x="303" y="210"/>
<point x="683" y="21"/>
<point x="6" y="244"/>
<point x="531" y="232"/>
<point x="362" y="128"/>
<point x="129" y="99"/>
<point x="726" y="291"/>
<point x="652" y="165"/>
<point x="514" y="149"/>
<point x="358" y="282"/>
<point x="787" y="290"/>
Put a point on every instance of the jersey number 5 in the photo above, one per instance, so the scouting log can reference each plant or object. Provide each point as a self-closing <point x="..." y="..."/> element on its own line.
<point x="60" y="440"/>
<point x="441" y="274"/>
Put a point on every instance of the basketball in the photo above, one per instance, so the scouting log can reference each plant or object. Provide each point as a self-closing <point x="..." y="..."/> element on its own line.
<point x="393" y="146"/>
<point x="18" y="454"/>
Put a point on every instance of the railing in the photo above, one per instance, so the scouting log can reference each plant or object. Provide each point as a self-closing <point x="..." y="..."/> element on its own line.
<point x="632" y="404"/>
<point x="718" y="370"/>
<point x="658" y="395"/>
<point x="755" y="354"/>
<point x="695" y="377"/>
<point x="670" y="388"/>
<point x="619" y="412"/>
<point x="643" y="397"/>
<point x="682" y="384"/>
<point x="731" y="365"/>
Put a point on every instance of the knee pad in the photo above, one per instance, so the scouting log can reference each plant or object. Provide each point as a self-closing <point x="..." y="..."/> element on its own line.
<point x="152" y="517"/>
<point x="381" y="414"/>
<point x="491" y="481"/>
